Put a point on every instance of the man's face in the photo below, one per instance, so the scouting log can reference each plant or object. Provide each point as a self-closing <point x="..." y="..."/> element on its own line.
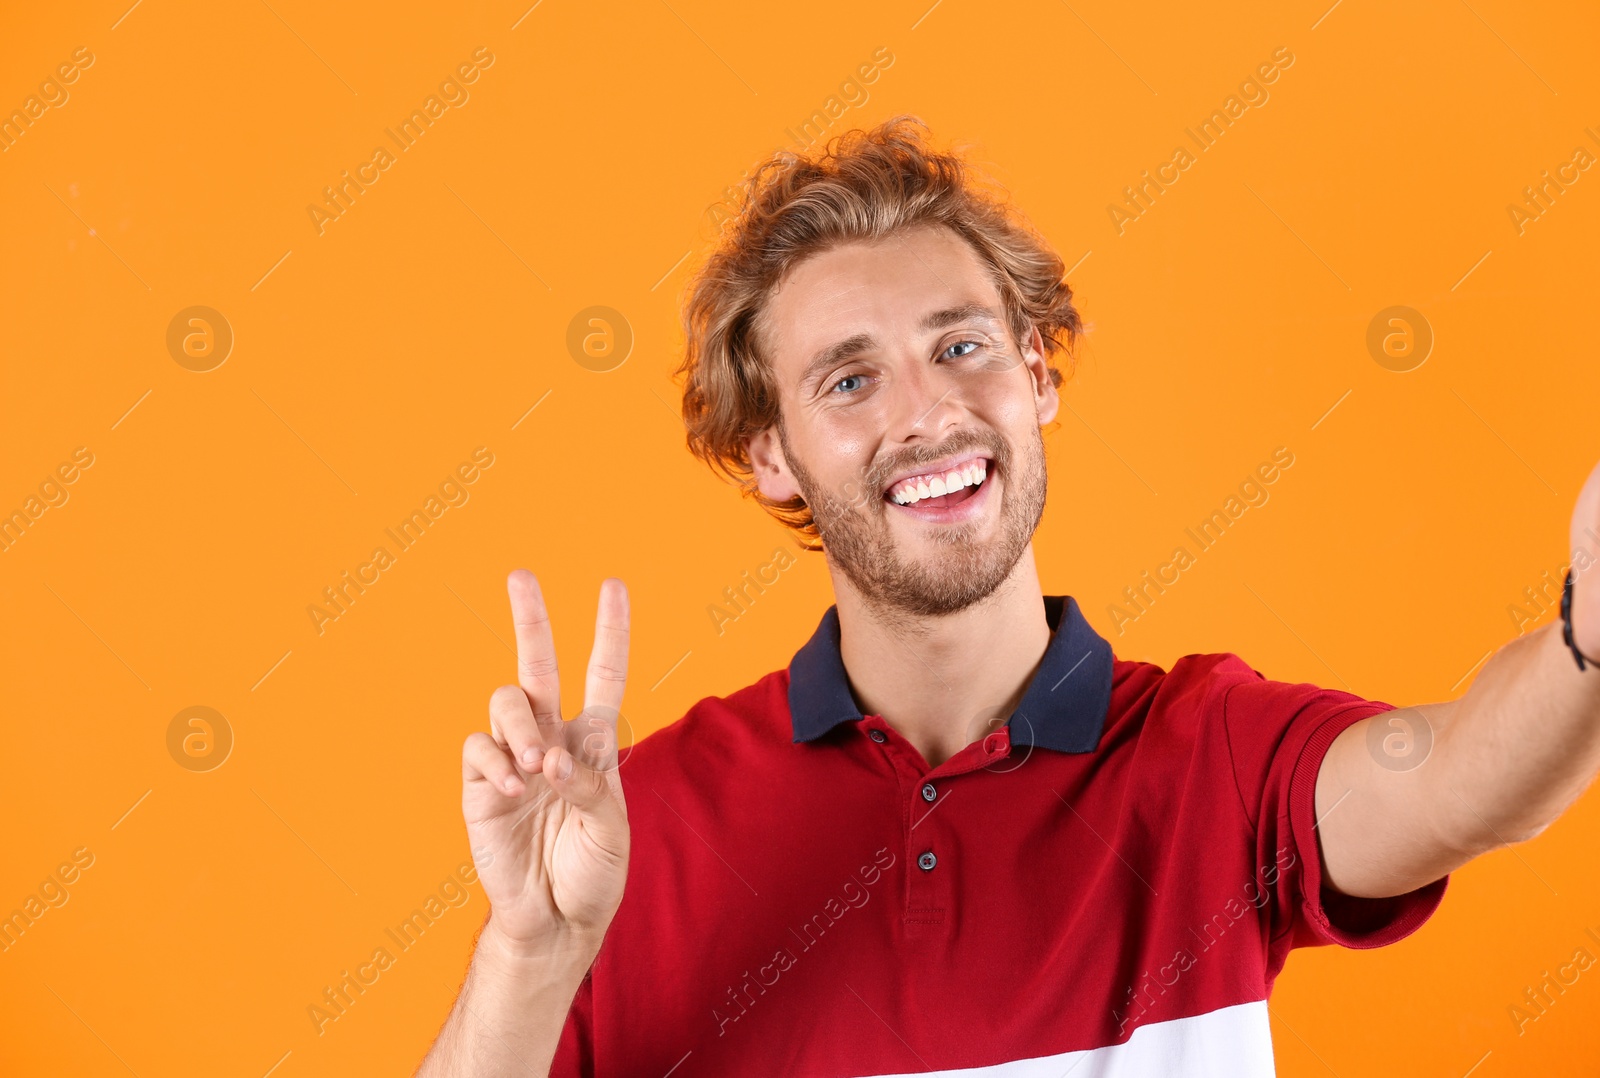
<point x="893" y="361"/>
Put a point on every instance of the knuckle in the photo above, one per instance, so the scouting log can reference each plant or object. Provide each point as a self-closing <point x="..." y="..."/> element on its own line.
<point x="505" y="697"/>
<point x="537" y="667"/>
<point x="533" y="619"/>
<point x="607" y="672"/>
<point x="481" y="752"/>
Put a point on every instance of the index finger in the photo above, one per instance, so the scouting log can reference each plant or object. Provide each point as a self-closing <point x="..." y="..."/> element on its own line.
<point x="536" y="647"/>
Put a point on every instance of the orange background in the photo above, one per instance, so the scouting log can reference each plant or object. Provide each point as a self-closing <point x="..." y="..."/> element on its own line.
<point x="371" y="359"/>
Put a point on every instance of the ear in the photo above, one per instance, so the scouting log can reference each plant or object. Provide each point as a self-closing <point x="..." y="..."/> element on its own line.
<point x="770" y="466"/>
<point x="1045" y="398"/>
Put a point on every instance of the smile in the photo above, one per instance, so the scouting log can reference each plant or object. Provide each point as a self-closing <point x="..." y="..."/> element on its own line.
<point x="934" y="493"/>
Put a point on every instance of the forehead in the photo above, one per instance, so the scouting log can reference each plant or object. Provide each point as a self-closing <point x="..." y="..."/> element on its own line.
<point x="880" y="287"/>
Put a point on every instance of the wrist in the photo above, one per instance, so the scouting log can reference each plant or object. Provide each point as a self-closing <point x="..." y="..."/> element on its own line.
<point x="561" y="950"/>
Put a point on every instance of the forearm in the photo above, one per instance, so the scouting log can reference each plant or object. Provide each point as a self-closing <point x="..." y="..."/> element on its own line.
<point x="512" y="1008"/>
<point x="1521" y="745"/>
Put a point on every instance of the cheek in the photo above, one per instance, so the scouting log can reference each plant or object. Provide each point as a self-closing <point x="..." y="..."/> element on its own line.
<point x="842" y="452"/>
<point x="1006" y="401"/>
<point x="838" y="453"/>
<point x="837" y="437"/>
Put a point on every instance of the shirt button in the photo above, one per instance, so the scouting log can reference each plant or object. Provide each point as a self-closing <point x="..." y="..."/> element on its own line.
<point x="928" y="792"/>
<point x="878" y="735"/>
<point x="927" y="861"/>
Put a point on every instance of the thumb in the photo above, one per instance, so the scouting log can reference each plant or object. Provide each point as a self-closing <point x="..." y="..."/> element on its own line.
<point x="585" y="789"/>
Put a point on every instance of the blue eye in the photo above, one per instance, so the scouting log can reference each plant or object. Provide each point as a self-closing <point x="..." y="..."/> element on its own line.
<point x="846" y="378"/>
<point x="959" y="344"/>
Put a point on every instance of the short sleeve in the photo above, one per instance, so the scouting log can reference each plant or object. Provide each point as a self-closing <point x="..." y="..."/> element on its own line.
<point x="574" y="1056"/>
<point x="1278" y="734"/>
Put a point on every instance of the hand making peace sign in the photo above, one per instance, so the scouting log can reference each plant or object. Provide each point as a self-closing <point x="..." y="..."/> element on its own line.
<point x="542" y="797"/>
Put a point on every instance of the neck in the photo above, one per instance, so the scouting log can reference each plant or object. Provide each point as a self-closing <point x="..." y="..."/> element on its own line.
<point x="944" y="682"/>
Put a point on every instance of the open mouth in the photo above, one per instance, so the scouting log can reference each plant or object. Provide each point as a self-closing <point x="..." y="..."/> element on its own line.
<point x="943" y="488"/>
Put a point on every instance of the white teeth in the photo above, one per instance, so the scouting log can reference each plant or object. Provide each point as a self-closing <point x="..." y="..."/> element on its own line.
<point x="912" y="491"/>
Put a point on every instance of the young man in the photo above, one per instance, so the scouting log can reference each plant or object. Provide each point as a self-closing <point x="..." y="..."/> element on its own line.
<point x="956" y="833"/>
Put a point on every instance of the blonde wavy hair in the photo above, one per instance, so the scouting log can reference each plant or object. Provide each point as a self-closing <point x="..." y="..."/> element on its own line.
<point x="863" y="185"/>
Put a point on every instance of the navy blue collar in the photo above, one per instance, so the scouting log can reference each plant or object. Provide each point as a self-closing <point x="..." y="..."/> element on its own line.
<point x="1064" y="708"/>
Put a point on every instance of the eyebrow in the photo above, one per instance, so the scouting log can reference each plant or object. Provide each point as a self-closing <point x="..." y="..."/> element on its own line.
<point x="854" y="345"/>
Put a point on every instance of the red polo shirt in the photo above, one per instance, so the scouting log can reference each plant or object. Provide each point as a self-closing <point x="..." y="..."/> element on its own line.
<point x="1115" y="876"/>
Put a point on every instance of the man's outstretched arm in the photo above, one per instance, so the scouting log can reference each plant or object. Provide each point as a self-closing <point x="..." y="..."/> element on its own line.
<point x="1505" y="760"/>
<point x="548" y="826"/>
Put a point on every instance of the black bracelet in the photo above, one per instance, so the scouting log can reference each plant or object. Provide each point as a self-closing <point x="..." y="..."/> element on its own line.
<point x="1566" y="622"/>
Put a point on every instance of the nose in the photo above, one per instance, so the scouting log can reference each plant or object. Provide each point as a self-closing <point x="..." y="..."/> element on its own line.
<point x="926" y="405"/>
